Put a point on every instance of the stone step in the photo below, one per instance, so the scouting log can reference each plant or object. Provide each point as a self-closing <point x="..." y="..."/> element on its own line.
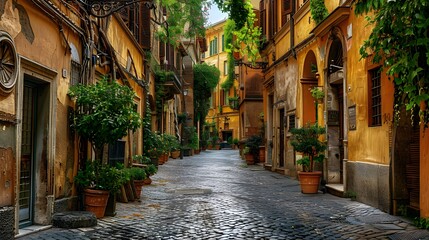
<point x="74" y="219"/>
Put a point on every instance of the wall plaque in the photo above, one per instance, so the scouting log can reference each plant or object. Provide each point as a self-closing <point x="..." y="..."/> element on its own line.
<point x="352" y="117"/>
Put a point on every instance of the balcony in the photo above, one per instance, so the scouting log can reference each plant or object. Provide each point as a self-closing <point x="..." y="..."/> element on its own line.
<point x="172" y="84"/>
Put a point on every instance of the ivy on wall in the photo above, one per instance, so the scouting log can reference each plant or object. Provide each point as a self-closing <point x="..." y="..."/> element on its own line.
<point x="318" y="10"/>
<point x="401" y="45"/>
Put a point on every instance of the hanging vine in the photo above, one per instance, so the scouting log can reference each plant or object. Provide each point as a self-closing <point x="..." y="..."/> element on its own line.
<point x="401" y="44"/>
<point x="185" y="19"/>
<point x="318" y="10"/>
<point x="228" y="33"/>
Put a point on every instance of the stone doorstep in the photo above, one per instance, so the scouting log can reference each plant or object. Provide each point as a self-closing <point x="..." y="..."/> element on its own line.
<point x="31" y="229"/>
<point x="335" y="189"/>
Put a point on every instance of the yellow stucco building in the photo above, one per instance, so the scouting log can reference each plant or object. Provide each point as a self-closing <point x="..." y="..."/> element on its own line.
<point x="221" y="112"/>
<point x="383" y="164"/>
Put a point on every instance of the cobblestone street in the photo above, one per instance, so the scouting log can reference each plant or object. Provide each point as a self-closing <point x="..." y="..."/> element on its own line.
<point x="215" y="195"/>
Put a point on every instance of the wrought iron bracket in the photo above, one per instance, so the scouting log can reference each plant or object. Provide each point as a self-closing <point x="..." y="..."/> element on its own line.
<point x="256" y="65"/>
<point x="104" y="8"/>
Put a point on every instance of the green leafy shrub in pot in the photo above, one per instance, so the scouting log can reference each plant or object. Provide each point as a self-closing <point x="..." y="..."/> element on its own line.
<point x="306" y="141"/>
<point x="100" y="177"/>
<point x="253" y="142"/>
<point x="137" y="173"/>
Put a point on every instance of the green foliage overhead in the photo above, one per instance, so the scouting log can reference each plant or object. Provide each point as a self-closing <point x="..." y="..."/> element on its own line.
<point x="229" y="32"/>
<point x="318" y="10"/>
<point x="104" y="112"/>
<point x="248" y="37"/>
<point x="186" y="19"/>
<point x="400" y="41"/>
<point x="206" y="79"/>
<point x="236" y="10"/>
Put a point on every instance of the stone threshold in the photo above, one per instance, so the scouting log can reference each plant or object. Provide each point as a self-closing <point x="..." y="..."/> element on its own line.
<point x="31" y="229"/>
<point x="335" y="189"/>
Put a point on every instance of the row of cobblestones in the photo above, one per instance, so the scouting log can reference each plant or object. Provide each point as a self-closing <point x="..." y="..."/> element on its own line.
<point x="214" y="195"/>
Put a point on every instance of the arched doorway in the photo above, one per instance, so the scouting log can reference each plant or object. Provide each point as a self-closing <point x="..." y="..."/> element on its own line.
<point x="308" y="81"/>
<point x="335" y="105"/>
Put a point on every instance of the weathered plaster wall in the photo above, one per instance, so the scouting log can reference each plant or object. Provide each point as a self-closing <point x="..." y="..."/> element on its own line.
<point x="366" y="144"/>
<point x="303" y="23"/>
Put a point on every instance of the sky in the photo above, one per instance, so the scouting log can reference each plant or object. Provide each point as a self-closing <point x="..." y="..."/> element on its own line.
<point x="215" y="15"/>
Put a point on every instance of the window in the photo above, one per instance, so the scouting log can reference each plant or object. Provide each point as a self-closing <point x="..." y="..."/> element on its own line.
<point x="225" y="68"/>
<point x="291" y="120"/>
<point x="213" y="46"/>
<point x="75" y="73"/>
<point x="374" y="97"/>
<point x="223" y="43"/>
<point x="262" y="17"/>
<point x="287" y="9"/>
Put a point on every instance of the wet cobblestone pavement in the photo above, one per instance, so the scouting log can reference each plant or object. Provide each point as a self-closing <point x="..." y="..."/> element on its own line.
<point x="214" y="195"/>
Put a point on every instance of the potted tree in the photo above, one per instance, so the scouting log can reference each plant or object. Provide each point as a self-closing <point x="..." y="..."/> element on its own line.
<point x="306" y="140"/>
<point x="104" y="112"/>
<point x="253" y="143"/>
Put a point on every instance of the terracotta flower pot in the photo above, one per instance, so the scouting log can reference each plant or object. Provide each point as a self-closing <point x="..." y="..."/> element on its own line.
<point x="138" y="184"/>
<point x="250" y="159"/>
<point x="309" y="181"/>
<point x="96" y="201"/>
<point x="175" y="154"/>
<point x="147" y="181"/>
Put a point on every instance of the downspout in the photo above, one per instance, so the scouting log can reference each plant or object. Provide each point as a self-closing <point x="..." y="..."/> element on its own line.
<point x="292" y="29"/>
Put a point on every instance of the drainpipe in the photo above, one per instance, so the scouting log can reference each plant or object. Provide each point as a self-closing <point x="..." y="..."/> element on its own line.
<point x="292" y="29"/>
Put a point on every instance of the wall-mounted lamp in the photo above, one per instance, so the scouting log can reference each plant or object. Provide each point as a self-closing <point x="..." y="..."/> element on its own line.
<point x="185" y="92"/>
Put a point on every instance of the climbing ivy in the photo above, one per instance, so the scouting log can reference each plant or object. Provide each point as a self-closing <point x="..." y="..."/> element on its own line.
<point x="236" y="10"/>
<point x="318" y="10"/>
<point x="186" y="19"/>
<point x="206" y="79"/>
<point x="228" y="31"/>
<point x="248" y="37"/>
<point x="400" y="41"/>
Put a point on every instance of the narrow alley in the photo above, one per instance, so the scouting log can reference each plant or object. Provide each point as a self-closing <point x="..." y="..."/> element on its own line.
<point x="215" y="195"/>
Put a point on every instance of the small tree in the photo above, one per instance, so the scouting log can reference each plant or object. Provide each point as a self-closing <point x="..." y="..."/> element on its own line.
<point x="104" y="112"/>
<point x="306" y="140"/>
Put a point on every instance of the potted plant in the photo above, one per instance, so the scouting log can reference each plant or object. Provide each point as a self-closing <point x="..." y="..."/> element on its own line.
<point x="306" y="140"/>
<point x="248" y="156"/>
<point x="253" y="142"/>
<point x="150" y="171"/>
<point x="98" y="181"/>
<point x="172" y="145"/>
<point x="317" y="93"/>
<point x="138" y="175"/>
<point x="235" y="143"/>
<point x="104" y="112"/>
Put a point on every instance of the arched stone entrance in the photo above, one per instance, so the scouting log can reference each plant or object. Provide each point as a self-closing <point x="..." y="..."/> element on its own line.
<point x="336" y="116"/>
